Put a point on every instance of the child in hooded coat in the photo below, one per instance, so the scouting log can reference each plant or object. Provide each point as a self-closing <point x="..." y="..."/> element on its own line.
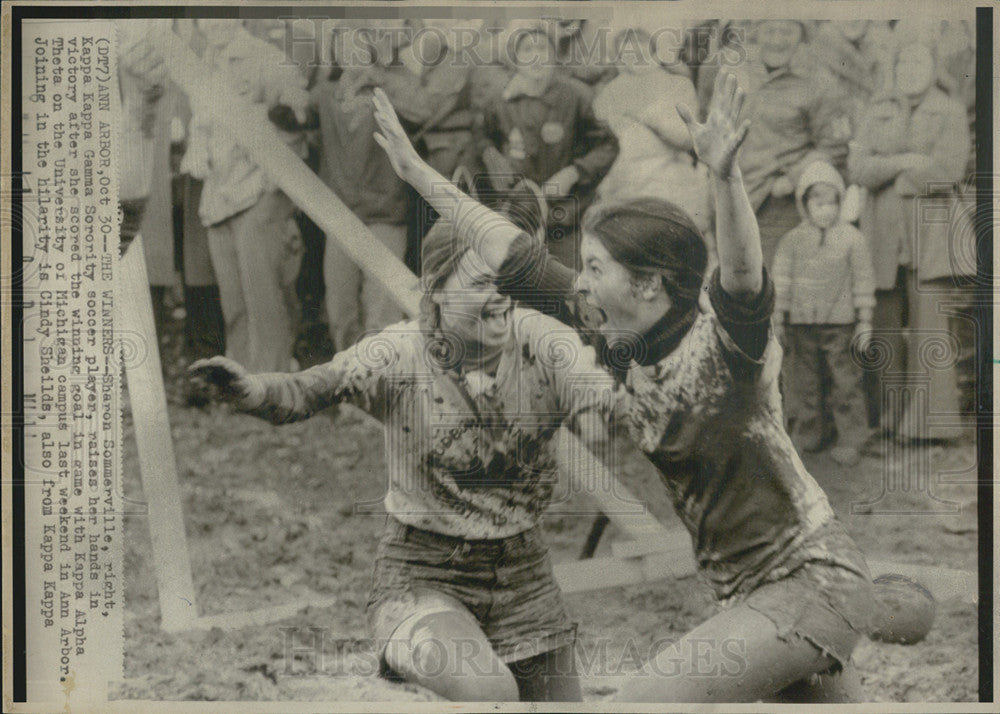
<point x="824" y="296"/>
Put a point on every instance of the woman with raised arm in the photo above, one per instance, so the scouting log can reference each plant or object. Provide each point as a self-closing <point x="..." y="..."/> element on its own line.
<point x="463" y="599"/>
<point x="699" y="394"/>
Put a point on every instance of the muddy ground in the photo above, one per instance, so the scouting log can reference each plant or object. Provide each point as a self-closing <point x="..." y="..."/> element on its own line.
<point x="270" y="515"/>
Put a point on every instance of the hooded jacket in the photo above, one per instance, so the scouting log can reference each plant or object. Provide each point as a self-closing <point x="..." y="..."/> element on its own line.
<point x="821" y="277"/>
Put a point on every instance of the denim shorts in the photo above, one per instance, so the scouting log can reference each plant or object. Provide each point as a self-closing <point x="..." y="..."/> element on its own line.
<point x="830" y="604"/>
<point x="506" y="584"/>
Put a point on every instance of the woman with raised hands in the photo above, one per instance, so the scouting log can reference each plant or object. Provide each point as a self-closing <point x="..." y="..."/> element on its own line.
<point x="698" y="391"/>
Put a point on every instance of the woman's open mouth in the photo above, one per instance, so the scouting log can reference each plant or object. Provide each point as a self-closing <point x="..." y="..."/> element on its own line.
<point x="597" y="308"/>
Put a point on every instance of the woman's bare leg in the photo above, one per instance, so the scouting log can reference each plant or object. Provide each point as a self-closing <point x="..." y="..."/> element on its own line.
<point x="735" y="656"/>
<point x="447" y="652"/>
<point x="549" y="677"/>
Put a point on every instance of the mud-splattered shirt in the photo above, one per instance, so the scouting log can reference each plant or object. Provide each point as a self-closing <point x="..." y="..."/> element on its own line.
<point x="469" y="455"/>
<point x="706" y="410"/>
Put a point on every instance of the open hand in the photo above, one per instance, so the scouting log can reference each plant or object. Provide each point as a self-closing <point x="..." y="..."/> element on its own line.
<point x="717" y="140"/>
<point x="393" y="138"/>
<point x="228" y="380"/>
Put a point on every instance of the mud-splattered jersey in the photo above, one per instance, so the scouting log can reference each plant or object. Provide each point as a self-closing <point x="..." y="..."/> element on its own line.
<point x="468" y="455"/>
<point x="705" y="408"/>
<point x="709" y="417"/>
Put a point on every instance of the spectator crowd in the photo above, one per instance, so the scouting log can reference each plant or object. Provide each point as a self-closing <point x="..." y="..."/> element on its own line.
<point x="858" y="163"/>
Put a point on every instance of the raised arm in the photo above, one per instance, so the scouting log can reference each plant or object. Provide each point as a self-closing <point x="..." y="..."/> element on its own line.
<point x="717" y="141"/>
<point x="485" y="230"/>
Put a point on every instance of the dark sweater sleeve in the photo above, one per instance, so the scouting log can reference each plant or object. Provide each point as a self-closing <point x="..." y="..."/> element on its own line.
<point x="746" y="321"/>
<point x="531" y="276"/>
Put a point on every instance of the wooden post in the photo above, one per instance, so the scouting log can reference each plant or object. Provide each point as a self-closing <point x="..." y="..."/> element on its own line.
<point x="157" y="467"/>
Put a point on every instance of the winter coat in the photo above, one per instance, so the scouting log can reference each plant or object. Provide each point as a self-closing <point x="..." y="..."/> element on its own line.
<point x="822" y="276"/>
<point x="909" y="218"/>
<point x="351" y="163"/>
<point x="541" y="135"/>
<point x="790" y="113"/>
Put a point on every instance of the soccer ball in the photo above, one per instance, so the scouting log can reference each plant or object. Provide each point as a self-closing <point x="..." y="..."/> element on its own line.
<point x="906" y="611"/>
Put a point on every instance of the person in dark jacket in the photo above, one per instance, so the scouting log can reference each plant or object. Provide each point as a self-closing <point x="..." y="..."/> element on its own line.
<point x="543" y="128"/>
<point x="911" y="155"/>
<point x="428" y="81"/>
<point x="353" y="165"/>
<point x="790" y="114"/>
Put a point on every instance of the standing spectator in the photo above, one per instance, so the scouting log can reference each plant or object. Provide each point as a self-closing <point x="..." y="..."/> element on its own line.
<point x="952" y="42"/>
<point x="141" y="77"/>
<point x="432" y="96"/>
<point x="655" y="146"/>
<point x="252" y="236"/>
<point x="939" y="134"/>
<point x="913" y="147"/>
<point x="147" y="106"/>
<point x="204" y="325"/>
<point x="580" y="54"/>
<point x="851" y="63"/>
<point x="312" y="343"/>
<point x="491" y="69"/>
<point x="877" y="155"/>
<point x="824" y="295"/>
<point x="357" y="170"/>
<point x="543" y="127"/>
<point x="788" y="109"/>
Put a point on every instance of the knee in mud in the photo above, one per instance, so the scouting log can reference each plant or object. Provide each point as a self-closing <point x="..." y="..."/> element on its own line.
<point x="432" y="658"/>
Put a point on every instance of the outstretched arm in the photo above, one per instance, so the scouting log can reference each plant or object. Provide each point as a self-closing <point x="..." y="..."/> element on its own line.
<point x="281" y="398"/>
<point x="717" y="141"/>
<point x="485" y="230"/>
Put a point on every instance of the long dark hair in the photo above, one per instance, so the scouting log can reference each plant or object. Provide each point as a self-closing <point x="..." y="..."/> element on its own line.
<point x="653" y="236"/>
